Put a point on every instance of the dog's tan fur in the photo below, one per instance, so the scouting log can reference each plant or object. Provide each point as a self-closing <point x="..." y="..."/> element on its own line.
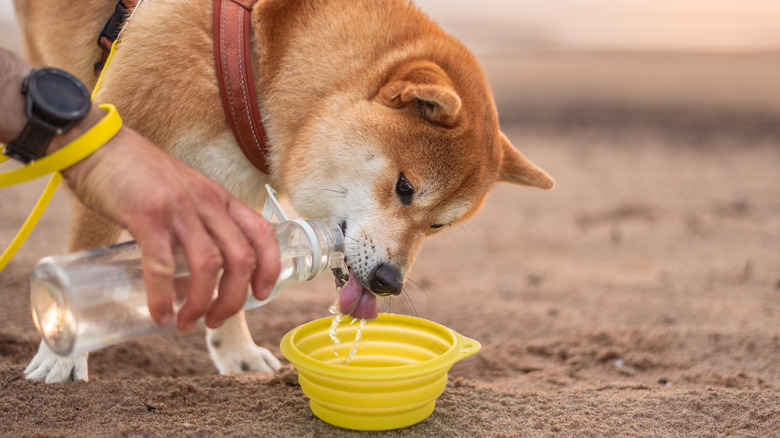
<point x="352" y="93"/>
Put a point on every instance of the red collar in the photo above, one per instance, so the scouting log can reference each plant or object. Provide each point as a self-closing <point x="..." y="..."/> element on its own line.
<point x="233" y="56"/>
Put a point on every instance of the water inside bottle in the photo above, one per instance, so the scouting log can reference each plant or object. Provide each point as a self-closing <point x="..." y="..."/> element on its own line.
<point x="94" y="298"/>
<point x="296" y="263"/>
<point x="94" y="326"/>
<point x="103" y="306"/>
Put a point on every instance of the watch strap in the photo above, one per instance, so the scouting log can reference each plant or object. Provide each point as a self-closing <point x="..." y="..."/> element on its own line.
<point x="69" y="154"/>
<point x="33" y="141"/>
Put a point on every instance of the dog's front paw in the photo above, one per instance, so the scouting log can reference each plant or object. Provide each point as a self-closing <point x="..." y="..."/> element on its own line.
<point x="48" y="366"/>
<point x="250" y="360"/>
<point x="234" y="351"/>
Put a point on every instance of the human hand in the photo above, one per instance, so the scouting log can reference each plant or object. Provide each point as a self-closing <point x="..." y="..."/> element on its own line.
<point x="162" y="203"/>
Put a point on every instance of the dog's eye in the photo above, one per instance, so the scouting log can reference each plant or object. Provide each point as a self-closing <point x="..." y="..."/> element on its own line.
<point x="404" y="189"/>
<point x="436" y="226"/>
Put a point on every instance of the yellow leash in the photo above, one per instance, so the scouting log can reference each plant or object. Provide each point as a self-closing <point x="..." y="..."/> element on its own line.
<point x="71" y="153"/>
<point x="62" y="158"/>
<point x="31" y="221"/>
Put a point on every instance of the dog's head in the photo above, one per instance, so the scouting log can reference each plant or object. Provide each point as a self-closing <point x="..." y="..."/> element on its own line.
<point x="414" y="156"/>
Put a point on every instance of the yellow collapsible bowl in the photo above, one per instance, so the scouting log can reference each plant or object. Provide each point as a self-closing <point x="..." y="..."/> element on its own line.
<point x="398" y="370"/>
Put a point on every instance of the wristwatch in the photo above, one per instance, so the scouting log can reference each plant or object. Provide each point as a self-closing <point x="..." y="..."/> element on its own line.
<point x="55" y="101"/>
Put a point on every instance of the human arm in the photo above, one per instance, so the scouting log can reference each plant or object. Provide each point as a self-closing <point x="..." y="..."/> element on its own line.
<point x="162" y="203"/>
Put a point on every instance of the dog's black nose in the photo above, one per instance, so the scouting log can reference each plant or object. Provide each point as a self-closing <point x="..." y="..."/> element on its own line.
<point x="387" y="280"/>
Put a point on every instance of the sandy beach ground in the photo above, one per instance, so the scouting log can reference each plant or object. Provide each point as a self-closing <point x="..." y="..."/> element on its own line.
<point x="640" y="297"/>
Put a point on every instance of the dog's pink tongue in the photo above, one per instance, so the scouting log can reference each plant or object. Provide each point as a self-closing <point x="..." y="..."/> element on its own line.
<point x="357" y="301"/>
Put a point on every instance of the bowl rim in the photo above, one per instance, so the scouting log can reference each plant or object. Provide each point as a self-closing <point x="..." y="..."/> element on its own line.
<point x="461" y="347"/>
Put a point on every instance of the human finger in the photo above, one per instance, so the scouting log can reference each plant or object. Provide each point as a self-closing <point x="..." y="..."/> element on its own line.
<point x="262" y="237"/>
<point x="239" y="262"/>
<point x="205" y="262"/>
<point x="158" y="274"/>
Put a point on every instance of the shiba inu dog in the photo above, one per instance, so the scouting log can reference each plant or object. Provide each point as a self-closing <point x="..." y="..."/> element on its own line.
<point x="375" y="117"/>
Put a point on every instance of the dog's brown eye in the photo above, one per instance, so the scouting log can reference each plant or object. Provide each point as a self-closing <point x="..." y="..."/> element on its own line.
<point x="435" y="226"/>
<point x="404" y="189"/>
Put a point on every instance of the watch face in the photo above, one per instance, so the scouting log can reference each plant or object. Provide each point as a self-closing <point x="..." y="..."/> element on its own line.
<point x="58" y="95"/>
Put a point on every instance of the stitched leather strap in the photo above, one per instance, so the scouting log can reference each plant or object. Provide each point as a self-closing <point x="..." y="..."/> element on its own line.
<point x="233" y="57"/>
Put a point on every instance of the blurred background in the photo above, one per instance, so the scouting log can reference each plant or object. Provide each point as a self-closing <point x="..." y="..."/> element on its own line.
<point x="713" y="55"/>
<point x="642" y="56"/>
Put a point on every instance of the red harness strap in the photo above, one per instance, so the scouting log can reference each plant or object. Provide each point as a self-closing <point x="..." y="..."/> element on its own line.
<point x="233" y="57"/>
<point x="232" y="53"/>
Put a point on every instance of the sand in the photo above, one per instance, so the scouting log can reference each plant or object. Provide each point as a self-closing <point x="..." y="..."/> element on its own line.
<point x="641" y="297"/>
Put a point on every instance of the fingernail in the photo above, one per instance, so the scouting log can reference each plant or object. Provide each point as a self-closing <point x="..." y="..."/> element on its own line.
<point x="187" y="326"/>
<point x="166" y="318"/>
<point x="214" y="323"/>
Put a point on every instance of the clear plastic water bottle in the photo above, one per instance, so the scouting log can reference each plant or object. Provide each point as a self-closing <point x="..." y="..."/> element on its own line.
<point x="95" y="298"/>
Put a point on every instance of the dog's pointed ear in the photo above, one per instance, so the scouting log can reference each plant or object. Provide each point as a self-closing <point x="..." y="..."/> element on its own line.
<point x="517" y="169"/>
<point x="425" y="87"/>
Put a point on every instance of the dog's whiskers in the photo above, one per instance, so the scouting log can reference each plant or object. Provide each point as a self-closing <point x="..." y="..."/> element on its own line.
<point x="387" y="304"/>
<point x="341" y="191"/>
<point x="463" y="231"/>
<point x="407" y="296"/>
<point x="410" y="303"/>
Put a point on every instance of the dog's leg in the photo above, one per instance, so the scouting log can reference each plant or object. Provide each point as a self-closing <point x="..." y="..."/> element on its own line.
<point x="88" y="230"/>
<point x="48" y="366"/>
<point x="233" y="351"/>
